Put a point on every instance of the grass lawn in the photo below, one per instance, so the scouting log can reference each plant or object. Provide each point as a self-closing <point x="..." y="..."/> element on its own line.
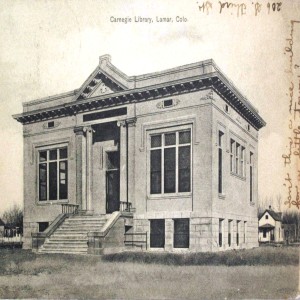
<point x="26" y="275"/>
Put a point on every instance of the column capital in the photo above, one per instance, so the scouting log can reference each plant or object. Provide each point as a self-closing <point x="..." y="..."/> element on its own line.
<point x="121" y="123"/>
<point x="131" y="122"/>
<point x="81" y="130"/>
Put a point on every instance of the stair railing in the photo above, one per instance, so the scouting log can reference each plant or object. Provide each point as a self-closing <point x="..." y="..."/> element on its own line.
<point x="70" y="209"/>
<point x="126" y="206"/>
<point x="137" y="239"/>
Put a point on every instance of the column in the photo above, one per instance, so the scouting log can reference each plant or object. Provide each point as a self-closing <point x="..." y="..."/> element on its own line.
<point x="80" y="167"/>
<point x="123" y="155"/>
<point x="131" y="160"/>
<point x="84" y="139"/>
<point x="89" y="142"/>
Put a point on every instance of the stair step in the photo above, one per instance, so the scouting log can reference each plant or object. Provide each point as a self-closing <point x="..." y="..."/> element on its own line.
<point x="84" y="226"/>
<point x="84" y="222"/>
<point x="72" y="236"/>
<point x="67" y="237"/>
<point x="77" y="219"/>
<point x="67" y="241"/>
<point x="62" y="251"/>
<point x="65" y="245"/>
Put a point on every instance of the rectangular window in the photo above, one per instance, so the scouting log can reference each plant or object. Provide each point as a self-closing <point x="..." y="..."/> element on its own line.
<point x="242" y="162"/>
<point x="229" y="232"/>
<point x="237" y="158"/>
<point x="251" y="177"/>
<point x="43" y="226"/>
<point x="157" y="233"/>
<point x="53" y="174"/>
<point x="181" y="233"/>
<point x="232" y="146"/>
<point x="220" y="162"/>
<point x="220" y="232"/>
<point x="170" y="162"/>
<point x="237" y="151"/>
<point x="105" y="114"/>
<point x="245" y="231"/>
<point x="237" y="233"/>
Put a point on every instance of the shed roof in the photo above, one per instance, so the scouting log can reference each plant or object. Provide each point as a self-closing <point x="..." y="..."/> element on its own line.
<point x="267" y="226"/>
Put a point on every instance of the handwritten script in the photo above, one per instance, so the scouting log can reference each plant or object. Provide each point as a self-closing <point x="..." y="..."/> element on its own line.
<point x="239" y="9"/>
<point x="291" y="158"/>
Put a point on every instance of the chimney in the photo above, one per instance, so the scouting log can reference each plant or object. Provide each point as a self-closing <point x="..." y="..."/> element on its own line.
<point x="270" y="208"/>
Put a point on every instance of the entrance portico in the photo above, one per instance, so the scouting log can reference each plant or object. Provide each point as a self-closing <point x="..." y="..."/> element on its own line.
<point x="104" y="163"/>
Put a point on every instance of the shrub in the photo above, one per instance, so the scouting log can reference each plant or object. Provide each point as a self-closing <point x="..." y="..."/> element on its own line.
<point x="259" y="256"/>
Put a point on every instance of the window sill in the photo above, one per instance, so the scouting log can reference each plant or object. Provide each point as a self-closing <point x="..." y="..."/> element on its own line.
<point x="238" y="176"/>
<point x="52" y="202"/>
<point x="168" y="196"/>
<point x="222" y="196"/>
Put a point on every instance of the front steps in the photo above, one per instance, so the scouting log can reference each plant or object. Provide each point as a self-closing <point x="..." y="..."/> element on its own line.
<point x="72" y="235"/>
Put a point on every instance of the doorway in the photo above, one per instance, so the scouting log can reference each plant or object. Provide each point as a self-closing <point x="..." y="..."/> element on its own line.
<point x="112" y="181"/>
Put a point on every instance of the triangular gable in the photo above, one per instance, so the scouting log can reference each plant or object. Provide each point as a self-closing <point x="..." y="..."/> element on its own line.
<point x="106" y="79"/>
<point x="275" y="216"/>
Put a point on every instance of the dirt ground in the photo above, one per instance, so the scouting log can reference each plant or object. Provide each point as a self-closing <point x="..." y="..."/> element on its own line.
<point x="26" y="275"/>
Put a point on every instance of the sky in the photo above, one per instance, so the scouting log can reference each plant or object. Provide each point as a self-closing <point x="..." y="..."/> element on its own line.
<point x="49" y="47"/>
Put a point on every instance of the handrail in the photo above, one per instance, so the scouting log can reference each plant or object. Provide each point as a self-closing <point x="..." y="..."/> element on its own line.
<point x="38" y="238"/>
<point x="132" y="241"/>
<point x="126" y="206"/>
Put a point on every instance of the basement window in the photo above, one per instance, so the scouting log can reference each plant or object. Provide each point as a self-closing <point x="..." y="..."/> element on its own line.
<point x="220" y="232"/>
<point x="157" y="233"/>
<point x="43" y="226"/>
<point x="181" y="233"/>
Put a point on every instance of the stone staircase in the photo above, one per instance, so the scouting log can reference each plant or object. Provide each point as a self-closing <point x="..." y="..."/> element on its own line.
<point x="71" y="236"/>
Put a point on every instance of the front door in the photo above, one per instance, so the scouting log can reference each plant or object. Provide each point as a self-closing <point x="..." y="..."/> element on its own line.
<point x="113" y="182"/>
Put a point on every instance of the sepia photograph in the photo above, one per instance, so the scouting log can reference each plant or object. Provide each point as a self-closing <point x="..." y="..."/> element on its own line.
<point x="150" y="149"/>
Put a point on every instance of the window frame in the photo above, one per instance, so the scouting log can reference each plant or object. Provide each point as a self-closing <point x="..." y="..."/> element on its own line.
<point x="221" y="137"/>
<point x="163" y="233"/>
<point x="176" y="244"/>
<point x="48" y="148"/>
<point x="221" y="233"/>
<point x="251" y="177"/>
<point x="238" y="232"/>
<point x="162" y="132"/>
<point x="237" y="158"/>
<point x="229" y="233"/>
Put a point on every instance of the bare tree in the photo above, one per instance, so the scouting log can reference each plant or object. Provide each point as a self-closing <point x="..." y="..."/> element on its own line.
<point x="292" y="217"/>
<point x="14" y="216"/>
<point x="278" y="203"/>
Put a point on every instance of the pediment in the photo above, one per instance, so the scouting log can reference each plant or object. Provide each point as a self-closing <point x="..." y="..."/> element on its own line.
<point x="97" y="85"/>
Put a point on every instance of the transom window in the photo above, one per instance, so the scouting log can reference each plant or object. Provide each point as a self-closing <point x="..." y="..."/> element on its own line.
<point x="53" y="174"/>
<point x="170" y="162"/>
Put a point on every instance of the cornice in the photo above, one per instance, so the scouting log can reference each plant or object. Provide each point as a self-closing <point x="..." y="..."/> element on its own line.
<point x="50" y="98"/>
<point x="215" y="80"/>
